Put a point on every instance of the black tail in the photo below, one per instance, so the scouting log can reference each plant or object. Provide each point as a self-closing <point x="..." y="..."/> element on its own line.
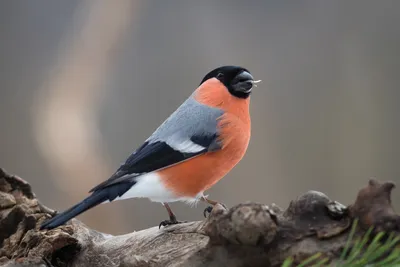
<point x="96" y="198"/>
<point x="93" y="200"/>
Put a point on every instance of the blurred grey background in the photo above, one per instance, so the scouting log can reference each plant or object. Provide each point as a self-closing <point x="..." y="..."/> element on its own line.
<point x="83" y="83"/>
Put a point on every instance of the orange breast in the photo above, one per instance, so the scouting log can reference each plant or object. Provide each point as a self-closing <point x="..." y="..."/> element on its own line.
<point x="198" y="174"/>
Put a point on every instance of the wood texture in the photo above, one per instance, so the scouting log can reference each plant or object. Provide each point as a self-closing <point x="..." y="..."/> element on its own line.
<point x="249" y="234"/>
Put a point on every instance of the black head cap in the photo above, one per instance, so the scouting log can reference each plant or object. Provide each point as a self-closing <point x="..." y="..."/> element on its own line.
<point x="238" y="80"/>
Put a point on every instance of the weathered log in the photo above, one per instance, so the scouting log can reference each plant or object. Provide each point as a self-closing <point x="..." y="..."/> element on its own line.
<point x="249" y="234"/>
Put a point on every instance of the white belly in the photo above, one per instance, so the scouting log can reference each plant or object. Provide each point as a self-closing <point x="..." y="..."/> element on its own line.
<point x="150" y="186"/>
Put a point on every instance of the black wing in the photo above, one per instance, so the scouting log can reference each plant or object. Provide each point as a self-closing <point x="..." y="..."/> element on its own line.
<point x="152" y="156"/>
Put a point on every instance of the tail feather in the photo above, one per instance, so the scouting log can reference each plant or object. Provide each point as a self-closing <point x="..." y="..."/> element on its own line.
<point x="93" y="200"/>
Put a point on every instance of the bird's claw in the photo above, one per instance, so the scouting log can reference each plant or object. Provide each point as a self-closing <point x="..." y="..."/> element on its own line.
<point x="168" y="222"/>
<point x="207" y="210"/>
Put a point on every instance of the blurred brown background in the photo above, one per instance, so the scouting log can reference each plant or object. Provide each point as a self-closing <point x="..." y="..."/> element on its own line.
<point x="83" y="83"/>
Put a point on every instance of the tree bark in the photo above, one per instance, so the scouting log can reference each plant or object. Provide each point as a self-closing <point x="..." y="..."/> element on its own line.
<point x="248" y="234"/>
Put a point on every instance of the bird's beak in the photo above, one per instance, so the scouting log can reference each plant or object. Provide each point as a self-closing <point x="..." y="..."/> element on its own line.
<point x="244" y="82"/>
<point x="255" y="82"/>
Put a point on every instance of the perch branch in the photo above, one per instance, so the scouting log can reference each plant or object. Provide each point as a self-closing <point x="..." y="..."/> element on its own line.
<point x="248" y="234"/>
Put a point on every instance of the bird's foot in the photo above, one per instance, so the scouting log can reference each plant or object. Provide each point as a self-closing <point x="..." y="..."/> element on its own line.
<point x="169" y="222"/>
<point x="209" y="209"/>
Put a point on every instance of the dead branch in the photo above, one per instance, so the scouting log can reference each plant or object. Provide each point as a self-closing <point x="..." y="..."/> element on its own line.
<point x="249" y="234"/>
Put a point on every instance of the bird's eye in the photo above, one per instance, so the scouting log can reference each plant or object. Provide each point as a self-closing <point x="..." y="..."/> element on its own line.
<point x="220" y="75"/>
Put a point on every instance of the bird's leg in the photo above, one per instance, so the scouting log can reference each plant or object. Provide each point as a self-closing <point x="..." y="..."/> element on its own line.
<point x="212" y="203"/>
<point x="172" y="218"/>
<point x="171" y="214"/>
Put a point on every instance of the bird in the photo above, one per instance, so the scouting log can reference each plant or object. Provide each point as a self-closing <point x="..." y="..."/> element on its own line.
<point x="196" y="146"/>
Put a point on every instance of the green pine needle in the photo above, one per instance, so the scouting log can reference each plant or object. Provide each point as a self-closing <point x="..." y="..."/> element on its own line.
<point x="309" y="260"/>
<point x="288" y="262"/>
<point x="346" y="248"/>
<point x="358" y="253"/>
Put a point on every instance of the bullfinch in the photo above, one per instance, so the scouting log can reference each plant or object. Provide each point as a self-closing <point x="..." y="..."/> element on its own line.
<point x="191" y="151"/>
